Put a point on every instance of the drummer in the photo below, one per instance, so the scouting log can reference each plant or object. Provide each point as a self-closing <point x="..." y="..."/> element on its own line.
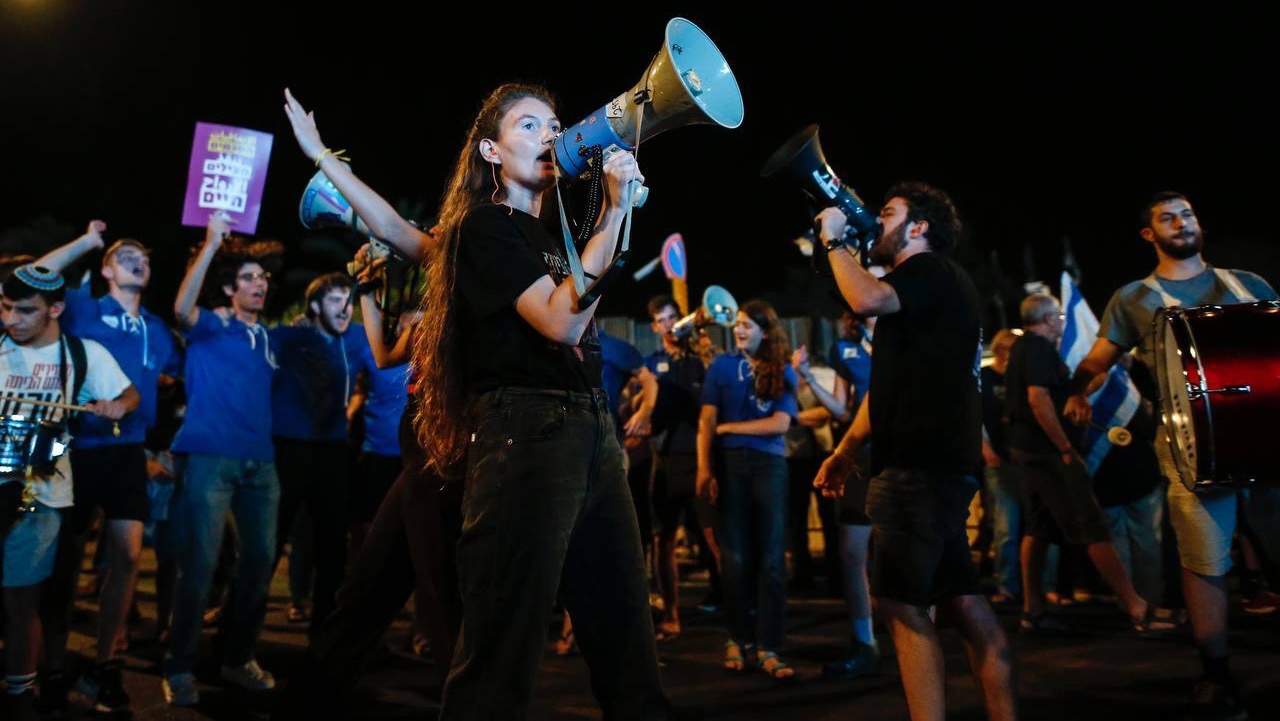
<point x="1204" y="521"/>
<point x="42" y="371"/>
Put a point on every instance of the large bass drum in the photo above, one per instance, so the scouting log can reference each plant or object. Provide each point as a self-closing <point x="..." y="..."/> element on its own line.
<point x="1218" y="373"/>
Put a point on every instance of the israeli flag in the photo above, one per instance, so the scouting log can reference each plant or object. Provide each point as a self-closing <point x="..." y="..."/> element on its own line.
<point x="1117" y="400"/>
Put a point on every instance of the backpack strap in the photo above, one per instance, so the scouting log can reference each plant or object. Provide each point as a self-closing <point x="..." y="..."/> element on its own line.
<point x="80" y="364"/>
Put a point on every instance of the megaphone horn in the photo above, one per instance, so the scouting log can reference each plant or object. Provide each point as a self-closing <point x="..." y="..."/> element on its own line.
<point x="718" y="306"/>
<point x="322" y="206"/>
<point x="687" y="83"/>
<point x="800" y="160"/>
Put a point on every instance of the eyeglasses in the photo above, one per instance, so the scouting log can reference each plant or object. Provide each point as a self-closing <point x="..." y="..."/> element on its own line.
<point x="250" y="277"/>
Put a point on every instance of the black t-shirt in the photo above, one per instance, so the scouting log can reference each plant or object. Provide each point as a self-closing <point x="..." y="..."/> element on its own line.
<point x="679" y="404"/>
<point x="1034" y="361"/>
<point x="926" y="410"/>
<point x="993" y="393"/>
<point x="501" y="252"/>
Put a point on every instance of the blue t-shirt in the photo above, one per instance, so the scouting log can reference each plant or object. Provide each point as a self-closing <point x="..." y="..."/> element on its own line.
<point x="620" y="360"/>
<point x="388" y="394"/>
<point x="313" y="381"/>
<point x="228" y="378"/>
<point x="731" y="388"/>
<point x="852" y="361"/>
<point x="142" y="346"/>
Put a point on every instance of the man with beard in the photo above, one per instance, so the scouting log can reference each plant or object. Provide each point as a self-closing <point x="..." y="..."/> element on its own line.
<point x="225" y="462"/>
<point x="109" y="465"/>
<point x="318" y="364"/>
<point x="1205" y="521"/>
<point x="923" y="417"/>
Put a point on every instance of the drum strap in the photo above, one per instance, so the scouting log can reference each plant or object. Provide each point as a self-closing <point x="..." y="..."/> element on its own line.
<point x="1224" y="276"/>
<point x="79" y="363"/>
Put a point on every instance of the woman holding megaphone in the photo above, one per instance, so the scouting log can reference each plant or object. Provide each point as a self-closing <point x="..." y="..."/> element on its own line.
<point x="509" y="388"/>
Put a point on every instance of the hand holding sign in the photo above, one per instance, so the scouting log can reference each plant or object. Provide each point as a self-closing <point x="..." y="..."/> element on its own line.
<point x="218" y="229"/>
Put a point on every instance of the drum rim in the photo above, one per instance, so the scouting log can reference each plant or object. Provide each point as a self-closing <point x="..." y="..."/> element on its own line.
<point x="1194" y="351"/>
<point x="1166" y="333"/>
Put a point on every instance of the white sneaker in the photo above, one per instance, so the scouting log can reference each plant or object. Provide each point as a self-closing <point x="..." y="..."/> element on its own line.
<point x="250" y="676"/>
<point x="180" y="689"/>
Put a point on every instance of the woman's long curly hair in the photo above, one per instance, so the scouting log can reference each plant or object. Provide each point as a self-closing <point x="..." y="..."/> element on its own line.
<point x="437" y="364"/>
<point x="774" y="352"/>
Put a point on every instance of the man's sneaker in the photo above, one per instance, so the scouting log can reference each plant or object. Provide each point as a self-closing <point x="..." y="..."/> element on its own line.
<point x="250" y="676"/>
<point x="1262" y="604"/>
<point x="180" y="689"/>
<point x="52" y="699"/>
<point x="864" y="661"/>
<point x="1215" y="701"/>
<point x="102" y="686"/>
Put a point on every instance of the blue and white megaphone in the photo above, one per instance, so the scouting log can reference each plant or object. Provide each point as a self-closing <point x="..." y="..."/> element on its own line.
<point x="687" y="83"/>
<point x="322" y="206"/>
<point x="718" y="306"/>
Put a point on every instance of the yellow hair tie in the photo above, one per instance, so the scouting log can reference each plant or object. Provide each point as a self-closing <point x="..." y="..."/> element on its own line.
<point x="339" y="154"/>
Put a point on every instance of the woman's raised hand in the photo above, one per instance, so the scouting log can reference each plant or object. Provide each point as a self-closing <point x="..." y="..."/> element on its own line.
<point x="304" y="126"/>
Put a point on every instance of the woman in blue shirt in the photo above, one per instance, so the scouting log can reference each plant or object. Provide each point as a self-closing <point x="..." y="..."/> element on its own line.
<point x="748" y="401"/>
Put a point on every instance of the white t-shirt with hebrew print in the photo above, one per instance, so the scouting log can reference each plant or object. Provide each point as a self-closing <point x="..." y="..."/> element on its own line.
<point x="27" y="372"/>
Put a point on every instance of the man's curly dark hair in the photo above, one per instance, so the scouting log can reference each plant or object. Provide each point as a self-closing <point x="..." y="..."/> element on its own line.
<point x="234" y="253"/>
<point x="929" y="204"/>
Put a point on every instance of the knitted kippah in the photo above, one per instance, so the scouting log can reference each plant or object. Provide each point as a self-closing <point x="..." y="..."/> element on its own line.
<point x="39" y="277"/>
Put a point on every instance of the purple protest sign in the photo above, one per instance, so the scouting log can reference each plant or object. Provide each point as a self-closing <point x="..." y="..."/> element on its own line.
<point x="227" y="172"/>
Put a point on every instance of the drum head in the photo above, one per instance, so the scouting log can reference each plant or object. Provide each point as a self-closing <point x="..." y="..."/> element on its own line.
<point x="1172" y="360"/>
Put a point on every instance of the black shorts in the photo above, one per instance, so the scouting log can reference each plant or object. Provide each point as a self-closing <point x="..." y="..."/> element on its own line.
<point x="113" y="478"/>
<point x="1061" y="507"/>
<point x="674" y="481"/>
<point x="374" y="475"/>
<point x="852" y="506"/>
<point x="918" y="522"/>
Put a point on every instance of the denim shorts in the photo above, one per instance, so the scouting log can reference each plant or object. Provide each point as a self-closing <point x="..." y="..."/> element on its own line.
<point x="921" y="550"/>
<point x="31" y="546"/>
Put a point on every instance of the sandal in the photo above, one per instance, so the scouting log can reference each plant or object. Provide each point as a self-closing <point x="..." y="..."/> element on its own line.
<point x="1043" y="625"/>
<point x="734" y="659"/>
<point x="1158" y="623"/>
<point x="668" y="631"/>
<point x="566" y="645"/>
<point x="777" y="669"/>
<point x="1001" y="598"/>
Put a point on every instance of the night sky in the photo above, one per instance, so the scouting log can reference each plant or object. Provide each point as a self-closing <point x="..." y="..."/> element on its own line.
<point x="1041" y="127"/>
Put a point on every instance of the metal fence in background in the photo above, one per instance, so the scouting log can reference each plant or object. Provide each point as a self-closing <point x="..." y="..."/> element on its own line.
<point x="800" y="330"/>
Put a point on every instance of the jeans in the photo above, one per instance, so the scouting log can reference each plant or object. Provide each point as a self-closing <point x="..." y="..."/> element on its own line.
<point x="1135" y="527"/>
<point x="546" y="497"/>
<point x="209" y="487"/>
<point x="1006" y="525"/>
<point x="316" y="475"/>
<point x="753" y="512"/>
